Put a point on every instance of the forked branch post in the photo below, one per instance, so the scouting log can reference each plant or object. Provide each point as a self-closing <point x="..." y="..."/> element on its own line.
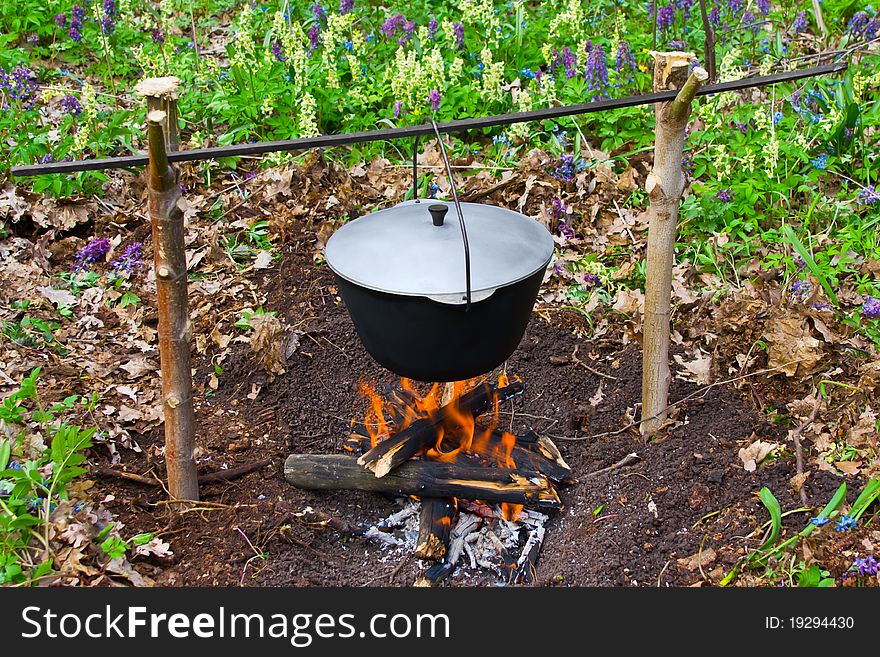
<point x="175" y="329"/>
<point x="664" y="185"/>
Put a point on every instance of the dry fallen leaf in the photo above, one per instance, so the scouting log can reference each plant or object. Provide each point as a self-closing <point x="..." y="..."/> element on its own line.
<point x="263" y="260"/>
<point x="267" y="343"/>
<point x="58" y="297"/>
<point x="699" y="368"/>
<point x="695" y="561"/>
<point x="752" y="455"/>
<point x="792" y="348"/>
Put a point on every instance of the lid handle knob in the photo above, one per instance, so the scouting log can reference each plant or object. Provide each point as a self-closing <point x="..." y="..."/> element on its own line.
<point x="438" y="213"/>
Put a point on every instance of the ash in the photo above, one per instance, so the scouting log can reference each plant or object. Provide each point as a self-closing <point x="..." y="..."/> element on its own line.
<point x="482" y="544"/>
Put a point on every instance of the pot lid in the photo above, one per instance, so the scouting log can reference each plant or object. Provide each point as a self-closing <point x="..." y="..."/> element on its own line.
<point x="400" y="250"/>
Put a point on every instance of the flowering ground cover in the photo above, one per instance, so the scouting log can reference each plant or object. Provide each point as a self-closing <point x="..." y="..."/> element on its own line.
<point x="776" y="279"/>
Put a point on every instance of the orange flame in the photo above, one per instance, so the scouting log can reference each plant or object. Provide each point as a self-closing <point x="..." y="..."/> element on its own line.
<point x="457" y="434"/>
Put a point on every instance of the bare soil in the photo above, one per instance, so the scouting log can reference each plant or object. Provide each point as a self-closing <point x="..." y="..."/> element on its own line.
<point x="688" y="492"/>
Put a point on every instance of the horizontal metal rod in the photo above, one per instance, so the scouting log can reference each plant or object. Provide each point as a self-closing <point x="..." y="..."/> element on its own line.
<point x="460" y="125"/>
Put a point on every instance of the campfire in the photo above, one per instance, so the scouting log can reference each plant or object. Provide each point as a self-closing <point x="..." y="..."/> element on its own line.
<point x="480" y="490"/>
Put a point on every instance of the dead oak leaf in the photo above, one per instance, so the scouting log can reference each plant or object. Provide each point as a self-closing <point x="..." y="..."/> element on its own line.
<point x="699" y="368"/>
<point x="792" y="348"/>
<point x="137" y="367"/>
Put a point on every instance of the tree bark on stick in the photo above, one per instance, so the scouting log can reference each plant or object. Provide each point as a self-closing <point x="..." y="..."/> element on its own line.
<point x="664" y="185"/>
<point x="175" y="329"/>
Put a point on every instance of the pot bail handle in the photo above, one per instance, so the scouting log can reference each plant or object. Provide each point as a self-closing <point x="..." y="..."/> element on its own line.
<point x="467" y="251"/>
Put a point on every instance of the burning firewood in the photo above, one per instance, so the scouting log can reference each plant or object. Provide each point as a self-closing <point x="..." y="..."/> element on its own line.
<point x="435" y="525"/>
<point x="435" y="479"/>
<point x="422" y="434"/>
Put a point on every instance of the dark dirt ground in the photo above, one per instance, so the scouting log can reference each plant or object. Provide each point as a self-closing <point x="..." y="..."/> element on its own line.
<point x="690" y="472"/>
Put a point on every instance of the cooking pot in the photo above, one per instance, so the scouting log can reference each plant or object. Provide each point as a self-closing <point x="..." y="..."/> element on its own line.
<point x="439" y="300"/>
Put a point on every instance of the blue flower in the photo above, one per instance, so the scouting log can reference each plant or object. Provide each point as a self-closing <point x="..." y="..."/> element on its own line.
<point x="820" y="162"/>
<point x="845" y="524"/>
<point x="777" y="117"/>
<point x="820" y="521"/>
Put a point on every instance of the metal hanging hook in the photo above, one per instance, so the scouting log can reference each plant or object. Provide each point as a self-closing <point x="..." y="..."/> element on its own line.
<point x="467" y="250"/>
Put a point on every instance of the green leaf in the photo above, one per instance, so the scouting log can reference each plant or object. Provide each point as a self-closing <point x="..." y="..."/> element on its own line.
<point x="129" y="299"/>
<point x="808" y="258"/>
<point x="5" y="453"/>
<point x="870" y="493"/>
<point x="772" y="505"/>
<point x="142" y="539"/>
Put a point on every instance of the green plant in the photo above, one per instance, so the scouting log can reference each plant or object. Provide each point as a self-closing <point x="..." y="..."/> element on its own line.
<point x="40" y="457"/>
<point x="244" y="321"/>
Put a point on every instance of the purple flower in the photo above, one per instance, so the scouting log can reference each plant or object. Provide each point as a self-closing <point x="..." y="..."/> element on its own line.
<point x="597" y="70"/>
<point x="392" y="24"/>
<point x="863" y="26"/>
<point x="345" y="6"/>
<point x="625" y="59"/>
<point x="871" y="308"/>
<point x="71" y="105"/>
<point x="764" y="7"/>
<point x="742" y="127"/>
<point x="130" y="260"/>
<point x="107" y="24"/>
<point x="565" y="230"/>
<point x="868" y="196"/>
<point x="844" y="524"/>
<point x="61" y="20"/>
<point x="157" y="36"/>
<point x="78" y="14"/>
<point x="801" y="289"/>
<point x="566" y="169"/>
<point x="433" y="24"/>
<point x="866" y="566"/>
<point x="74" y="34"/>
<point x="589" y="280"/>
<point x="800" y="22"/>
<point x="566" y="60"/>
<point x="434" y="98"/>
<point x="278" y="52"/>
<point x="715" y="17"/>
<point x="558" y="209"/>
<point x="19" y="84"/>
<point x="677" y="45"/>
<point x="687" y="164"/>
<point x="47" y="158"/>
<point x="666" y="17"/>
<point x="398" y="105"/>
<point x="314" y="37"/>
<point x="458" y="31"/>
<point x="91" y="253"/>
<point x="110" y="7"/>
<point x="318" y="12"/>
<point x="725" y="195"/>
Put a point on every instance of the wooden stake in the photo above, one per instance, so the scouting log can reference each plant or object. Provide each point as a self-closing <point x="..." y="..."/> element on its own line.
<point x="161" y="94"/>
<point x="664" y="185"/>
<point x="175" y="330"/>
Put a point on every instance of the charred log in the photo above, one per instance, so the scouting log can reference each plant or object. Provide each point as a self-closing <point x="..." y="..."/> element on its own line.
<point x="423" y="478"/>
<point x="435" y="524"/>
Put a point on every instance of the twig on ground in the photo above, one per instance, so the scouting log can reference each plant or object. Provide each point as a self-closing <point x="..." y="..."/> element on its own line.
<point x="629" y="459"/>
<point x="799" y="452"/>
<point x="213" y="477"/>
<point x="578" y="361"/>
